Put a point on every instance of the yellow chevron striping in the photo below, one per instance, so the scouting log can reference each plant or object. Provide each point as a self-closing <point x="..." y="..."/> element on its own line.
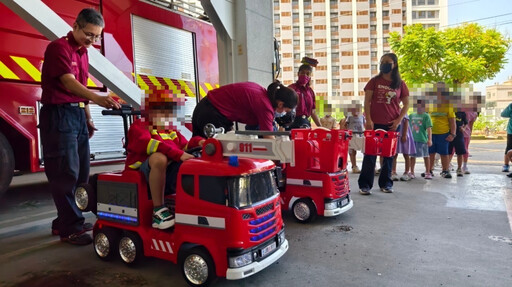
<point x="7" y="73"/>
<point x="141" y="83"/>
<point x="186" y="88"/>
<point x="90" y="83"/>
<point x="172" y="86"/>
<point x="208" y="86"/>
<point x="28" y="68"/>
<point x="201" y="91"/>
<point x="154" y="81"/>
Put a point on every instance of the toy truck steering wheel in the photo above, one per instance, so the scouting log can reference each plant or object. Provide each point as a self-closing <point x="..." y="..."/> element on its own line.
<point x="195" y="151"/>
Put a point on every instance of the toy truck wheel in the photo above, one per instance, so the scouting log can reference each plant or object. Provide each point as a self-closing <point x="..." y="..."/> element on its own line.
<point x="304" y="210"/>
<point x="130" y="248"/>
<point x="85" y="197"/>
<point x="106" y="242"/>
<point x="6" y="164"/>
<point x="197" y="267"/>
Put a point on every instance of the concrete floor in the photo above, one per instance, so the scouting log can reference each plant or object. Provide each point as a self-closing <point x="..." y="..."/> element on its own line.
<point x="444" y="232"/>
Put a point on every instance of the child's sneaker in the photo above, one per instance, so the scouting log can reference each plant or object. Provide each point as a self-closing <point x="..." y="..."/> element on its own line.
<point x="394" y="177"/>
<point x="377" y="171"/>
<point x="405" y="177"/>
<point x="505" y="168"/>
<point x="355" y="169"/>
<point x="163" y="219"/>
<point x="428" y="176"/>
<point x="466" y="170"/>
<point x="446" y="174"/>
<point x="411" y="175"/>
<point x="459" y="172"/>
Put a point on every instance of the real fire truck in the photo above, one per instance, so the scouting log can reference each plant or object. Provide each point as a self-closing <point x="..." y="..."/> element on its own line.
<point x="149" y="43"/>
<point x="227" y="212"/>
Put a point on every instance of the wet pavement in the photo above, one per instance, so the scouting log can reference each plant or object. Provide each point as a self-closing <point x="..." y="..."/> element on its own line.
<point x="444" y="232"/>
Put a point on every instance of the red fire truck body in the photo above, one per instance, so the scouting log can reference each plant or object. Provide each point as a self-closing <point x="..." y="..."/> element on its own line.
<point x="314" y="167"/>
<point x="317" y="183"/>
<point x="135" y="33"/>
<point x="228" y="217"/>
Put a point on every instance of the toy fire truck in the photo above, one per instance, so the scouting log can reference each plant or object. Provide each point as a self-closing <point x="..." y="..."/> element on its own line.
<point x="227" y="210"/>
<point x="314" y="179"/>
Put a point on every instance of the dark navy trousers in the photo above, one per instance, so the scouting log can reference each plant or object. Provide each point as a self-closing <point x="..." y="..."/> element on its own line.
<point x="367" y="174"/>
<point x="66" y="155"/>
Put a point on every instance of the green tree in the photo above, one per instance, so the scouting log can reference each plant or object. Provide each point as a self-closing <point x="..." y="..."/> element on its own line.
<point x="464" y="54"/>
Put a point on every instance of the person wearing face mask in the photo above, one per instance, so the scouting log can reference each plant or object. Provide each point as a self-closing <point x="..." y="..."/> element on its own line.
<point x="65" y="122"/>
<point x="306" y="105"/>
<point x="383" y="94"/>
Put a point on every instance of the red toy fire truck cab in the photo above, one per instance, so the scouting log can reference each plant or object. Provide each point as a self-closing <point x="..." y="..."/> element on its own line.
<point x="227" y="209"/>
<point x="314" y="180"/>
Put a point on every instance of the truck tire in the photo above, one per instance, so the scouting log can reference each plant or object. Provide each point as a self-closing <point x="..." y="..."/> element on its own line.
<point x="304" y="210"/>
<point x="197" y="267"/>
<point x="106" y="242"/>
<point x="130" y="248"/>
<point x="6" y="164"/>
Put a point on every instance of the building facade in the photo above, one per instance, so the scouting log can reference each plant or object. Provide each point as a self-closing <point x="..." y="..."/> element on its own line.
<point x="497" y="98"/>
<point x="347" y="37"/>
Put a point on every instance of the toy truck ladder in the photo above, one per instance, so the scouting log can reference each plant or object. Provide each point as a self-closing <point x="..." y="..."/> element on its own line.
<point x="48" y="23"/>
<point x="247" y="144"/>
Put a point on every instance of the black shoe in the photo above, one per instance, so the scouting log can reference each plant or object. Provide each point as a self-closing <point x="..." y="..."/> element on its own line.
<point x="509" y="175"/>
<point x="77" y="239"/>
<point x="86" y="227"/>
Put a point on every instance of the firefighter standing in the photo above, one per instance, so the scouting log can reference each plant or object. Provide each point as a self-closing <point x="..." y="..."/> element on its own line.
<point x="65" y="121"/>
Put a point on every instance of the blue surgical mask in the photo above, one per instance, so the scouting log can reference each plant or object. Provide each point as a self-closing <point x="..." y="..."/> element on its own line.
<point x="385" y="67"/>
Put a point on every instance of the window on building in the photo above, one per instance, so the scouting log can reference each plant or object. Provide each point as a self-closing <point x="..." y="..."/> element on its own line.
<point x="308" y="29"/>
<point x="276" y="3"/>
<point x="335" y="69"/>
<point x="334" y="28"/>
<point x="307" y="16"/>
<point x="335" y="43"/>
<point x="278" y="30"/>
<point x="308" y="43"/>
<point x="296" y="43"/>
<point x="296" y="56"/>
<point x="385" y="1"/>
<point x="373" y="54"/>
<point x="373" y="14"/>
<point x="431" y="14"/>
<point x="385" y="27"/>
<point x="335" y="56"/>
<point x="431" y="2"/>
<point x="421" y="14"/>
<point x="296" y="29"/>
<point x="374" y="67"/>
<point x="385" y="13"/>
<point x="335" y="83"/>
<point x="385" y="40"/>
<point x="373" y="41"/>
<point x="373" y="27"/>
<point x="334" y="16"/>
<point x="295" y="16"/>
<point x="421" y="2"/>
<point x="372" y="2"/>
<point x="277" y="17"/>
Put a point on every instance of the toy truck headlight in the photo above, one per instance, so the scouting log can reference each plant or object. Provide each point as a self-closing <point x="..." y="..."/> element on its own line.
<point x="240" y="260"/>
<point x="281" y="237"/>
<point x="331" y="205"/>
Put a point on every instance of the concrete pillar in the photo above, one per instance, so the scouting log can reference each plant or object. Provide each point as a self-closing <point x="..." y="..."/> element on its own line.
<point x="244" y="39"/>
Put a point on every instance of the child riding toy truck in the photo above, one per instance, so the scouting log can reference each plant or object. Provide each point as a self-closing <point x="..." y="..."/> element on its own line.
<point x="227" y="216"/>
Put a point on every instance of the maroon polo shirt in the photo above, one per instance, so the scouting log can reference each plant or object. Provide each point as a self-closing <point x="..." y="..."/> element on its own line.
<point x="306" y="103"/>
<point x="63" y="56"/>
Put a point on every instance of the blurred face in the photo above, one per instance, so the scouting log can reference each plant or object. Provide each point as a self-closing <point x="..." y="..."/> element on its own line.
<point x="281" y="108"/>
<point x="88" y="35"/>
<point x="163" y="118"/>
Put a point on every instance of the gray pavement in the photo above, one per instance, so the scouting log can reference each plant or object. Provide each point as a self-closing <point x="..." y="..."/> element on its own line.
<point x="444" y="232"/>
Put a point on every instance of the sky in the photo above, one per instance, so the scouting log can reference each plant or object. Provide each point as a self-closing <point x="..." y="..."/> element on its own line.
<point x="490" y="14"/>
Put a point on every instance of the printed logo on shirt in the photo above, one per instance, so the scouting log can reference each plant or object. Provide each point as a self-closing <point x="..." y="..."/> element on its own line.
<point x="389" y="94"/>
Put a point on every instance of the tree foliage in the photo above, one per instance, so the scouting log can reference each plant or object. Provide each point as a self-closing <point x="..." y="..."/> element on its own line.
<point x="464" y="54"/>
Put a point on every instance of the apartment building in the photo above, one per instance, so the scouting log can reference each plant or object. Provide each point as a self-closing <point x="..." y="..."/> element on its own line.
<point x="347" y="37"/>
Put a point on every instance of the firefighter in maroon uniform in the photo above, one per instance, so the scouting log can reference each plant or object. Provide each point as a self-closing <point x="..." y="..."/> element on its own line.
<point x="65" y="121"/>
<point x="306" y="105"/>
<point x="156" y="148"/>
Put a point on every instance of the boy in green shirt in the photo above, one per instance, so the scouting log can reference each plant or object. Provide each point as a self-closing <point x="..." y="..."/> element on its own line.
<point x="421" y="126"/>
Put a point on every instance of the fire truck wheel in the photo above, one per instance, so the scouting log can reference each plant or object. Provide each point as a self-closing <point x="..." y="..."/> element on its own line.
<point x="106" y="242"/>
<point x="130" y="248"/>
<point x="304" y="210"/>
<point x="6" y="164"/>
<point x="85" y="197"/>
<point x="197" y="267"/>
